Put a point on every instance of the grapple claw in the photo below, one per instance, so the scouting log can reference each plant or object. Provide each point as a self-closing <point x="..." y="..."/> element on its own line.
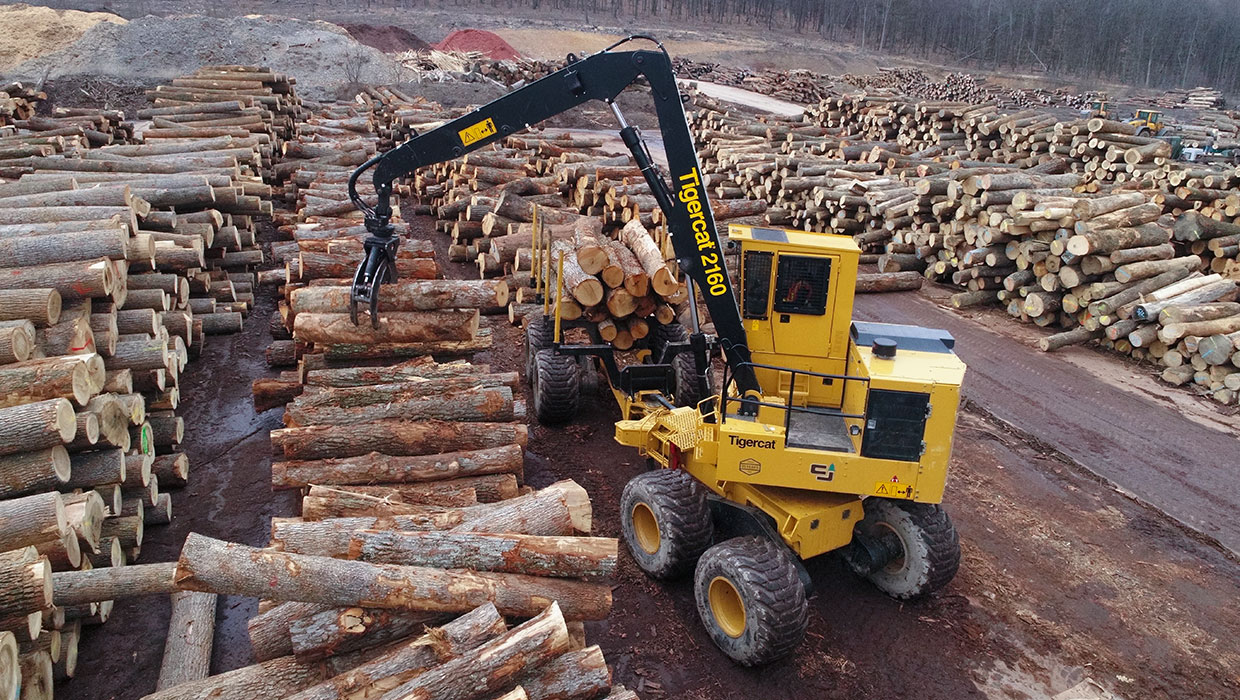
<point x="377" y="268"/>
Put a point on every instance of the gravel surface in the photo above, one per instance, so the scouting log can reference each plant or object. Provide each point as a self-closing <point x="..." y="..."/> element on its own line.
<point x="322" y="56"/>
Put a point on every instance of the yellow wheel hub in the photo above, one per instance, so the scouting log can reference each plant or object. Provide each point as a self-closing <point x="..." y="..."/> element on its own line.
<point x="646" y="528"/>
<point x="727" y="607"/>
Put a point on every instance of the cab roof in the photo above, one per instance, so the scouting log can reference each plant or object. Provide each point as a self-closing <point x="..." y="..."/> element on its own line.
<point x="806" y="241"/>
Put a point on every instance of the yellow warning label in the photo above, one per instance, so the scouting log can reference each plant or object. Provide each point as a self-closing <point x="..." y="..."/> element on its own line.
<point x="888" y="489"/>
<point x="477" y="132"/>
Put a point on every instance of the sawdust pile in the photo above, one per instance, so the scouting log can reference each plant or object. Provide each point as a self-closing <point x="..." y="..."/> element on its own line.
<point x="320" y="55"/>
<point x="27" y="32"/>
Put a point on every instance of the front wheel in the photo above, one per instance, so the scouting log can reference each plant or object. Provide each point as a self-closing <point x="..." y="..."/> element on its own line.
<point x="665" y="519"/>
<point x="751" y="600"/>
<point x="928" y="551"/>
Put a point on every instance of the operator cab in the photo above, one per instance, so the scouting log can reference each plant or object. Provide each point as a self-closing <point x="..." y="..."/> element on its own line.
<point x="797" y="304"/>
<point x="861" y="390"/>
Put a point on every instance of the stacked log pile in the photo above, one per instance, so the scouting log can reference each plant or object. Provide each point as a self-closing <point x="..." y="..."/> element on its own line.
<point x="419" y="315"/>
<point x="992" y="203"/>
<point x="413" y="508"/>
<point x="121" y="248"/>
<point x="417" y="612"/>
<point x="487" y="201"/>
<point x="396" y="116"/>
<point x="1214" y="128"/>
<point x="18" y="101"/>
<point x="223" y="100"/>
<point x="66" y="130"/>
<point x="473" y="66"/>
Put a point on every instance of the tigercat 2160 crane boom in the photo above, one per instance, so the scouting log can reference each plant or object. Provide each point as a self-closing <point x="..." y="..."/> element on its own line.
<point x="824" y="434"/>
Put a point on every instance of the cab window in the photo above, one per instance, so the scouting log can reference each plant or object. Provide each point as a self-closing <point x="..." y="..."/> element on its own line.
<point x="756" y="278"/>
<point x="801" y="284"/>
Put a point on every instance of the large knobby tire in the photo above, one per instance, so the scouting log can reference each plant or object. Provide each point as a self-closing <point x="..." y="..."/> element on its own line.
<point x="661" y="335"/>
<point x="538" y="336"/>
<point x="751" y="599"/>
<point x="686" y="391"/>
<point x="665" y="519"/>
<point x="557" y="387"/>
<point x="928" y="540"/>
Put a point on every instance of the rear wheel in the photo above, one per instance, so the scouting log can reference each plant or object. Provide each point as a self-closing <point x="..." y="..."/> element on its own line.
<point x="539" y="334"/>
<point x="557" y="388"/>
<point x="666" y="523"/>
<point x="929" y="549"/>
<point x="686" y="391"/>
<point x="751" y="600"/>
<point x="661" y="335"/>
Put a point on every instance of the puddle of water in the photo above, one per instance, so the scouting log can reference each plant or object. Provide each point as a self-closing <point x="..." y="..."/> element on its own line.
<point x="1035" y="676"/>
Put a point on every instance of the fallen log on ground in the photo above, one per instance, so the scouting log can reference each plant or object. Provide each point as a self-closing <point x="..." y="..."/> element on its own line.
<point x="213" y="566"/>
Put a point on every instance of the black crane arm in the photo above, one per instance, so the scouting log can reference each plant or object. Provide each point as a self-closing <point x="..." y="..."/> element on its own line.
<point x="601" y="76"/>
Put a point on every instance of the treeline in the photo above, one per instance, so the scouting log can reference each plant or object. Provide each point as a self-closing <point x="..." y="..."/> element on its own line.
<point x="1138" y="42"/>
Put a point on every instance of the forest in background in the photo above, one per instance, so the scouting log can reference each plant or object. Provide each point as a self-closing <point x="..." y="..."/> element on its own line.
<point x="1142" y="43"/>
<point x="1139" y="42"/>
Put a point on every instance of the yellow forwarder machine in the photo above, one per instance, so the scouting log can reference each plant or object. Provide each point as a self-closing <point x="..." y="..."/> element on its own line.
<point x="824" y="435"/>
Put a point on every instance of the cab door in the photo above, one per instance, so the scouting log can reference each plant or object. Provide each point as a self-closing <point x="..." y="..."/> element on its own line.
<point x="800" y="323"/>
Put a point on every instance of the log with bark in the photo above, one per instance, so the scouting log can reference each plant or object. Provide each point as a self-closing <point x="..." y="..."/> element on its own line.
<point x="394" y="327"/>
<point x="493" y="666"/>
<point x="275" y="678"/>
<point x="418" y="295"/>
<point x="560" y="509"/>
<point x="31" y="519"/>
<point x="29" y="472"/>
<point x="36" y="426"/>
<point x="493" y="404"/>
<point x="187" y="649"/>
<point x="214" y="566"/>
<point x="375" y="467"/>
<point x="340" y="631"/>
<point x="410" y="659"/>
<point x="394" y="437"/>
<point x="113" y="583"/>
<point x="569" y="557"/>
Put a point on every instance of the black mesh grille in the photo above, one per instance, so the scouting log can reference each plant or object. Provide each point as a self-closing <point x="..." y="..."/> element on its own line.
<point x="801" y="286"/>
<point x="896" y="425"/>
<point x="757" y="283"/>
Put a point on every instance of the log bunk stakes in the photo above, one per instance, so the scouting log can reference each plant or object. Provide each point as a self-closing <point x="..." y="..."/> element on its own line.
<point x="123" y="245"/>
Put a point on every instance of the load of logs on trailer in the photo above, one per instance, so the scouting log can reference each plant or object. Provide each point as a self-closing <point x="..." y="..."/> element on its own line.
<point x="1081" y="225"/>
<point x="123" y="245"/>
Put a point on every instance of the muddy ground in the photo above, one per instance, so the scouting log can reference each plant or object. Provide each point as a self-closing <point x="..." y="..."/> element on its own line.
<point x="1063" y="577"/>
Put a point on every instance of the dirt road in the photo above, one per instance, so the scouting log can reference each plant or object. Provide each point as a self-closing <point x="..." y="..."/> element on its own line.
<point x="1132" y="436"/>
